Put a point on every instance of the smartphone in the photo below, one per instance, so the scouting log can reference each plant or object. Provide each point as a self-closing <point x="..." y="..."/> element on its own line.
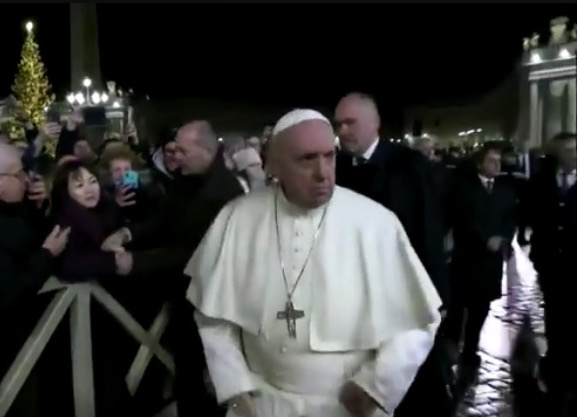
<point x="53" y="116"/>
<point x="130" y="180"/>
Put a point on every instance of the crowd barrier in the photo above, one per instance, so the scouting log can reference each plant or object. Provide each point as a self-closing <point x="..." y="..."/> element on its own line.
<point x="77" y="298"/>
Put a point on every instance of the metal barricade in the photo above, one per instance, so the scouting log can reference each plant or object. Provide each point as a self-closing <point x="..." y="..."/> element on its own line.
<point x="77" y="298"/>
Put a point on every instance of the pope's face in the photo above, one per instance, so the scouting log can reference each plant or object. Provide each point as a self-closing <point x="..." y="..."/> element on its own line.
<point x="304" y="163"/>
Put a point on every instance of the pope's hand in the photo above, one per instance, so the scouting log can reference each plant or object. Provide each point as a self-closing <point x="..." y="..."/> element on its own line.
<point x="115" y="241"/>
<point x="356" y="401"/>
<point x="243" y="406"/>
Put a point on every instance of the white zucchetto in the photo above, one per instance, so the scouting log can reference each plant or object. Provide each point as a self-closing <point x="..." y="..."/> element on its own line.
<point x="294" y="117"/>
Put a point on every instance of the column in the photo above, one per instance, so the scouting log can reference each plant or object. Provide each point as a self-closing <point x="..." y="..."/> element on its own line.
<point x="84" y="51"/>
<point x="554" y="109"/>
<point x="541" y="141"/>
<point x="534" y="119"/>
<point x="572" y="106"/>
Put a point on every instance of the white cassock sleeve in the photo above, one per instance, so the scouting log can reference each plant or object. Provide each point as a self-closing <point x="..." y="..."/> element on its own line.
<point x="389" y="376"/>
<point x="227" y="366"/>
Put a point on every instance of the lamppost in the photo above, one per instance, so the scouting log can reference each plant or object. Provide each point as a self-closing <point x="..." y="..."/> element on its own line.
<point x="81" y="98"/>
<point x="87" y="83"/>
<point x="112" y="101"/>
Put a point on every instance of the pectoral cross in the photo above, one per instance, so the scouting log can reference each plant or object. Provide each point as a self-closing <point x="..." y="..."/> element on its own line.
<point x="291" y="315"/>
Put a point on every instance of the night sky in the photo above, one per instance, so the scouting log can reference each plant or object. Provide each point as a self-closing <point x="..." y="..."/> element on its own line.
<point x="274" y="54"/>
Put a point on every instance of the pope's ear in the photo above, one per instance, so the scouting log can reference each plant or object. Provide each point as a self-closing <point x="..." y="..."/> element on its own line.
<point x="272" y="161"/>
<point x="271" y="168"/>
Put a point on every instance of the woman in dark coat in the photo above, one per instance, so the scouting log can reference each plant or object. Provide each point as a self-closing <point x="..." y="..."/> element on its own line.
<point x="78" y="203"/>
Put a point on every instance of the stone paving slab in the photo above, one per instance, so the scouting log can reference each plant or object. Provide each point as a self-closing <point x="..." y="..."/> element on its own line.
<point x="492" y="395"/>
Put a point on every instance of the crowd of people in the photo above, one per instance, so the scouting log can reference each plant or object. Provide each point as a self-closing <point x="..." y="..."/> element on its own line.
<point x="304" y="278"/>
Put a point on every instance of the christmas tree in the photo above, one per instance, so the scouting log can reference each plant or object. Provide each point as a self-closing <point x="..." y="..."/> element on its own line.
<point x="31" y="86"/>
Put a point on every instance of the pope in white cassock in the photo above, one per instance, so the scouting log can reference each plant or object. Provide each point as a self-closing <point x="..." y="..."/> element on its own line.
<point x="310" y="300"/>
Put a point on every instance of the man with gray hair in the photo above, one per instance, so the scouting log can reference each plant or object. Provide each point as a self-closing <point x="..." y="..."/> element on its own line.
<point x="200" y="189"/>
<point x="27" y="252"/>
<point x="305" y="309"/>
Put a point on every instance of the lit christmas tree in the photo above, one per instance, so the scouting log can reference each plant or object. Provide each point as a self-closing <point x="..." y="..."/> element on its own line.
<point x="31" y="86"/>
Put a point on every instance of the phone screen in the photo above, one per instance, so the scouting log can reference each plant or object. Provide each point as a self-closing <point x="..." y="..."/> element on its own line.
<point x="130" y="179"/>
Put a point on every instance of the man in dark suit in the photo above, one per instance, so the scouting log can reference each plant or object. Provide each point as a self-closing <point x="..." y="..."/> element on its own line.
<point x="201" y="188"/>
<point x="400" y="179"/>
<point x="551" y="204"/>
<point x="484" y="220"/>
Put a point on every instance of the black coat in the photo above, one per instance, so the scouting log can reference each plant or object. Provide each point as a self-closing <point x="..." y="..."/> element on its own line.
<point x="83" y="259"/>
<point x="553" y="220"/>
<point x="403" y="181"/>
<point x="477" y="216"/>
<point x="191" y="205"/>
<point x="24" y="268"/>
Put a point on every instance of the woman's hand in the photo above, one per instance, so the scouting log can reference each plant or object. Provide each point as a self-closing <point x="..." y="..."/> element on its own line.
<point x="125" y="197"/>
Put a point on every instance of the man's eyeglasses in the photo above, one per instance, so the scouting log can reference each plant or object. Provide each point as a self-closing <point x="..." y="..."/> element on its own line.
<point x="20" y="175"/>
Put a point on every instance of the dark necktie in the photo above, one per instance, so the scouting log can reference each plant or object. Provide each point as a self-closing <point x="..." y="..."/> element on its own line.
<point x="489" y="186"/>
<point x="361" y="160"/>
<point x="564" y="183"/>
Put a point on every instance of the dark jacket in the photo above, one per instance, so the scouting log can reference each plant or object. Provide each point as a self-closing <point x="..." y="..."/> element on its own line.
<point x="552" y="218"/>
<point x="24" y="268"/>
<point x="191" y="205"/>
<point x="477" y="216"/>
<point x="83" y="260"/>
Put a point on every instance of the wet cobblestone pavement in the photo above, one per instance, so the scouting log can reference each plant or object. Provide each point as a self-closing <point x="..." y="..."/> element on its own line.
<point x="492" y="396"/>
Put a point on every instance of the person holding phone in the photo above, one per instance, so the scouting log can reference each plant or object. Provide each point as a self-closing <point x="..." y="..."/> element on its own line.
<point x="133" y="192"/>
<point x="120" y="163"/>
<point x="28" y="249"/>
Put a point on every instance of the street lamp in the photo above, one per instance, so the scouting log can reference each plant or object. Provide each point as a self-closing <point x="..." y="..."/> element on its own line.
<point x="87" y="83"/>
<point x="79" y="97"/>
<point x="71" y="98"/>
<point x="104" y="97"/>
<point x="29" y="26"/>
<point x="96" y="97"/>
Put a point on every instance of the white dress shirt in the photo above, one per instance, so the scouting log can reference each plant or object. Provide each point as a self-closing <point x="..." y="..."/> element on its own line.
<point x="571" y="178"/>
<point x="368" y="153"/>
<point x="488" y="183"/>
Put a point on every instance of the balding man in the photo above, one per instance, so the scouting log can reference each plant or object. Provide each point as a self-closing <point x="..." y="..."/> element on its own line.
<point x="26" y="262"/>
<point x="304" y="309"/>
<point x="200" y="189"/>
<point x="402" y="181"/>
